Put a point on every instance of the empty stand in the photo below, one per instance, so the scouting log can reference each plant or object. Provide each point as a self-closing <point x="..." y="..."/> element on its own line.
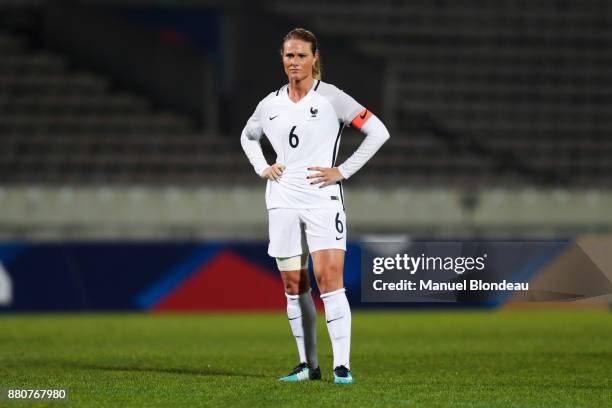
<point x="475" y="92"/>
<point x="488" y="74"/>
<point x="62" y="125"/>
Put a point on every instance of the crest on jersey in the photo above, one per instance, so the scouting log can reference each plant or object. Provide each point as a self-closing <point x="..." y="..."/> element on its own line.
<point x="313" y="112"/>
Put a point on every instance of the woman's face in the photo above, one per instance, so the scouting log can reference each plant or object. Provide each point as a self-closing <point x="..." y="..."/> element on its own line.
<point x="298" y="59"/>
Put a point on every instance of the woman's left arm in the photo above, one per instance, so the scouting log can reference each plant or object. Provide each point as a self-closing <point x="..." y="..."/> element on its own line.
<point x="375" y="135"/>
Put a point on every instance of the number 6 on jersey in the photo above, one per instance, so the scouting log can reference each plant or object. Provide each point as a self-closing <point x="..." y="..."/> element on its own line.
<point x="293" y="138"/>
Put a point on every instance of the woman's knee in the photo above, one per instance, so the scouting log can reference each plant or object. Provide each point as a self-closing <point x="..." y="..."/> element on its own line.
<point x="291" y="283"/>
<point x="329" y="278"/>
<point x="295" y="282"/>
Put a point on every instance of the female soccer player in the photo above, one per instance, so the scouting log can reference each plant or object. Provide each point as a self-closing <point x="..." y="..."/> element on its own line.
<point x="303" y="121"/>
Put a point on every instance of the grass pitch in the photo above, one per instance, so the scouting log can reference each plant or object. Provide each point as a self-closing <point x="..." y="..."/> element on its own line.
<point x="415" y="359"/>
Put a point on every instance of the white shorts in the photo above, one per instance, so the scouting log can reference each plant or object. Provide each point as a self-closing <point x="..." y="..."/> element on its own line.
<point x="300" y="231"/>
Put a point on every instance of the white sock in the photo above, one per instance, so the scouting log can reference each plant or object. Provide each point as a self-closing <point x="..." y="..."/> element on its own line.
<point x="302" y="316"/>
<point x="338" y="318"/>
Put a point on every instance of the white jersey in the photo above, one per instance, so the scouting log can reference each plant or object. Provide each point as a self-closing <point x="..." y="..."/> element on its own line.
<point x="303" y="134"/>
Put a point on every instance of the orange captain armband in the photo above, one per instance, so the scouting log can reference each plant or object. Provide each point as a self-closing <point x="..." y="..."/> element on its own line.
<point x="361" y="119"/>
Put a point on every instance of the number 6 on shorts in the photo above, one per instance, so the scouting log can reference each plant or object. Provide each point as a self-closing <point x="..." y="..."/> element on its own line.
<point x="339" y="225"/>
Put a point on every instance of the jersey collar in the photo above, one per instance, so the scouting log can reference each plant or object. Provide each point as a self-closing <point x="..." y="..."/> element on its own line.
<point x="315" y="85"/>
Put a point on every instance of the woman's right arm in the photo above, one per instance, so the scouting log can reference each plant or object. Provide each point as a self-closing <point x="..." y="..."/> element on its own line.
<point x="251" y="134"/>
<point x="249" y="140"/>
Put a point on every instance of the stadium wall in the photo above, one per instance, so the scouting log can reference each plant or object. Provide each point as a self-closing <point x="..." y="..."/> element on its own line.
<point x="172" y="212"/>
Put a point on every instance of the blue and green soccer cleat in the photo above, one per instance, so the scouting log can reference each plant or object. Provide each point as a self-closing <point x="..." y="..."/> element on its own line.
<point x="303" y="372"/>
<point x="343" y="375"/>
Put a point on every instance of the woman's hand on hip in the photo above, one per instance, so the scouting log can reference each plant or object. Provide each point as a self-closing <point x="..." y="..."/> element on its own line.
<point x="326" y="175"/>
<point x="273" y="172"/>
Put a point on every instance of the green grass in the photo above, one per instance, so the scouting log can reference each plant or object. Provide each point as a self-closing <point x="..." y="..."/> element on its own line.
<point x="427" y="359"/>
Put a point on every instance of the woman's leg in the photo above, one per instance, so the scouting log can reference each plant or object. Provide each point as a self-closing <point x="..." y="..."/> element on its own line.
<point x="296" y="282"/>
<point x="328" y="269"/>
<point x="302" y="314"/>
<point x="287" y="238"/>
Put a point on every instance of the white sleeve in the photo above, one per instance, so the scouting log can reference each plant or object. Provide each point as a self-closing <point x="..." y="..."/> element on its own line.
<point x="376" y="134"/>
<point x="345" y="106"/>
<point x="249" y="140"/>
